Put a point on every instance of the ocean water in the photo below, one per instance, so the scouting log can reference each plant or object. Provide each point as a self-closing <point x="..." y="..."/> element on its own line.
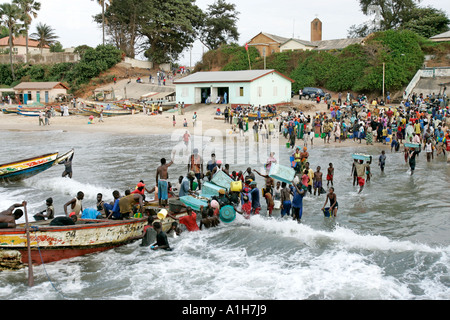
<point x="390" y="242"/>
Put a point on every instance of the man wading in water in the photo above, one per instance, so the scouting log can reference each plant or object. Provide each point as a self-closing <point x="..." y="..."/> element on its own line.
<point x="360" y="168"/>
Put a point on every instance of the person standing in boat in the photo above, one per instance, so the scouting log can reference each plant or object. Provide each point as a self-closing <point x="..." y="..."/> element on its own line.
<point x="162" y="176"/>
<point x="76" y="204"/>
<point x="9" y="216"/>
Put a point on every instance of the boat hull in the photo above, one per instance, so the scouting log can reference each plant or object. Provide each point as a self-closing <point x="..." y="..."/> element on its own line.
<point x="54" y="243"/>
<point x="26" y="168"/>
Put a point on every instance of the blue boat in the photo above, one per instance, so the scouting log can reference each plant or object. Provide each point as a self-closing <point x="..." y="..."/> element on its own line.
<point x="23" y="169"/>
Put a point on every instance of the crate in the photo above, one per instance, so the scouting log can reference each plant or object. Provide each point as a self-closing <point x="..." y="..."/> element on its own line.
<point x="222" y="179"/>
<point x="282" y="173"/>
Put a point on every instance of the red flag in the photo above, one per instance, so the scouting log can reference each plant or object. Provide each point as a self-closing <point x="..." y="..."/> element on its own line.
<point x="246" y="46"/>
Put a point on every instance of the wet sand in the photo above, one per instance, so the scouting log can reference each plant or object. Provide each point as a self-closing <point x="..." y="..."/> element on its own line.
<point x="140" y="124"/>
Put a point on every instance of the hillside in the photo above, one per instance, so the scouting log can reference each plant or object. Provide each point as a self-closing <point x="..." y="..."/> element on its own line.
<point x="357" y="68"/>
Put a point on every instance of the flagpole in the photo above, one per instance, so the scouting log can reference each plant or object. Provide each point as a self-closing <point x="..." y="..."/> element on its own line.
<point x="248" y="56"/>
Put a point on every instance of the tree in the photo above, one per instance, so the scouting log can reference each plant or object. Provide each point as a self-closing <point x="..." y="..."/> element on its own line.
<point x="103" y="3"/>
<point x="220" y="25"/>
<point x="427" y="21"/>
<point x="171" y="26"/>
<point x="10" y="15"/>
<point x="56" y="47"/>
<point x="44" y="35"/>
<point x="392" y="15"/>
<point x="29" y="9"/>
<point x="123" y="20"/>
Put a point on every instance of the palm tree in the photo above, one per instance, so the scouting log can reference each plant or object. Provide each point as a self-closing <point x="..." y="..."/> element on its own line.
<point x="44" y="35"/>
<point x="102" y="3"/>
<point x="29" y="10"/>
<point x="10" y="15"/>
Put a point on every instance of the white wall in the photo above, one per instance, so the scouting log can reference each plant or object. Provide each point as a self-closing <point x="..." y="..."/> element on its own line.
<point x="271" y="89"/>
<point x="294" y="45"/>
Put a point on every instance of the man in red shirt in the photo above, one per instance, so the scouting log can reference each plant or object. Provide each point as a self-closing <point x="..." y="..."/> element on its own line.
<point x="190" y="221"/>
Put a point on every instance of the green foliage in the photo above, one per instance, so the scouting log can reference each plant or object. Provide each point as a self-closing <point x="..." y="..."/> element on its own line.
<point x="239" y="59"/>
<point x="219" y="25"/>
<point x="230" y="57"/>
<point x="56" y="47"/>
<point x="427" y="22"/>
<point x="358" y="67"/>
<point x="92" y="63"/>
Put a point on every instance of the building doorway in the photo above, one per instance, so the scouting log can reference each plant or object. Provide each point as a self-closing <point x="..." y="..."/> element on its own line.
<point x="223" y="94"/>
<point x="204" y="94"/>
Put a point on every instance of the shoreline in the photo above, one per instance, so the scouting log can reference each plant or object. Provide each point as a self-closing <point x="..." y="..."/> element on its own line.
<point x="140" y="124"/>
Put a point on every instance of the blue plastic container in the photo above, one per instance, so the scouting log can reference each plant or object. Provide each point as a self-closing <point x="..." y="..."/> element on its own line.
<point x="210" y="189"/>
<point x="326" y="212"/>
<point x="227" y="214"/>
<point x="222" y="179"/>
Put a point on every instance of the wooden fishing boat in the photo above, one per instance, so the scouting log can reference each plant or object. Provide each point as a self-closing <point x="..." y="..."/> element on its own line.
<point x="22" y="169"/>
<point x="54" y="243"/>
<point x="9" y="110"/>
<point x="264" y="115"/>
<point x="29" y="113"/>
<point x="112" y="112"/>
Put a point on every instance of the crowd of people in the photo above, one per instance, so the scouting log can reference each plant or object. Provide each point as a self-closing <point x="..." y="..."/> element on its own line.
<point x="419" y="120"/>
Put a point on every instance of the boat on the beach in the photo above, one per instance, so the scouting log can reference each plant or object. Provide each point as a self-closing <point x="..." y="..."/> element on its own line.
<point x="264" y="115"/>
<point x="112" y="111"/>
<point x="29" y="113"/>
<point x="9" y="110"/>
<point x="22" y="169"/>
<point x="54" y="243"/>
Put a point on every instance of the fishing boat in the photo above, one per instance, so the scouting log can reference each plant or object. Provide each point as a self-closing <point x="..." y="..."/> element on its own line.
<point x="264" y="115"/>
<point x="9" y="110"/>
<point x="54" y="243"/>
<point x="22" y="169"/>
<point x="29" y="113"/>
<point x="112" y="112"/>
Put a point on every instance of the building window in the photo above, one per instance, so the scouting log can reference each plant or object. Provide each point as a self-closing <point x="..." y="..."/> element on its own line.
<point x="241" y="91"/>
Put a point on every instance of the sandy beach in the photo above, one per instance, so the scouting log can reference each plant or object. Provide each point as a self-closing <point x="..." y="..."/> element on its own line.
<point x="140" y="124"/>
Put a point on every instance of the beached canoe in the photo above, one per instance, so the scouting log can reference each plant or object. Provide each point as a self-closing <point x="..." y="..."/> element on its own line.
<point x="9" y="110"/>
<point x="54" y="243"/>
<point x="29" y="113"/>
<point x="264" y="115"/>
<point x="22" y="169"/>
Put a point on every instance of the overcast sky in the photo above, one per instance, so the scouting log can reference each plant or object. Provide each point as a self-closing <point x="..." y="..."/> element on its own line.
<point x="73" y="22"/>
